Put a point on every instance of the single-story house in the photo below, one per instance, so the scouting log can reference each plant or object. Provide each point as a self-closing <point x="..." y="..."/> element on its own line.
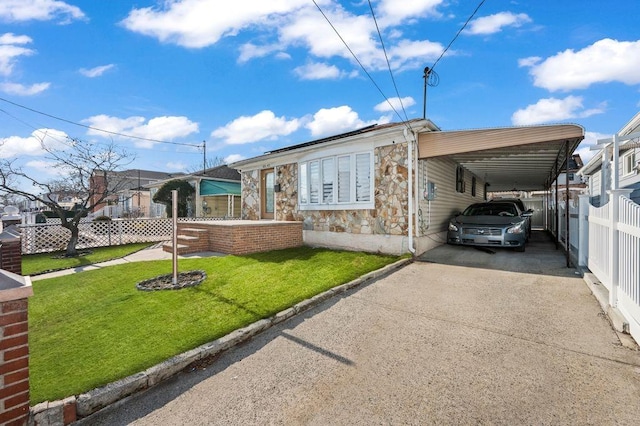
<point x="599" y="178"/>
<point x="217" y="193"/>
<point x="392" y="188"/>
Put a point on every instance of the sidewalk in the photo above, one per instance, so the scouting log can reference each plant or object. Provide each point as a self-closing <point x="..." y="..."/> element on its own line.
<point x="154" y="252"/>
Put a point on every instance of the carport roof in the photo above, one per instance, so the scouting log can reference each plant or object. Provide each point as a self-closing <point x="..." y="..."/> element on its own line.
<point x="523" y="158"/>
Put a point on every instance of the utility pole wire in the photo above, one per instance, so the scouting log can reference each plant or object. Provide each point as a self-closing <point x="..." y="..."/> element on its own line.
<point x="95" y="128"/>
<point x="457" y="34"/>
<point x="358" y="61"/>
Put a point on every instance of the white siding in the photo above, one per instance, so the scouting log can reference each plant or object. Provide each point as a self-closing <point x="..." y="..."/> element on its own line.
<point x="436" y="214"/>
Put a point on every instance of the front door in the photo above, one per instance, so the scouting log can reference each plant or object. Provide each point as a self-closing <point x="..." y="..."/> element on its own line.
<point x="266" y="194"/>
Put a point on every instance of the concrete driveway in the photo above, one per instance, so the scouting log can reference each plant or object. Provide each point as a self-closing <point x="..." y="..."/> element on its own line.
<point x="428" y="344"/>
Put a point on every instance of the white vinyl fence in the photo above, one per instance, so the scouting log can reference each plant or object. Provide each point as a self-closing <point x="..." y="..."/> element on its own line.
<point x="50" y="237"/>
<point x="614" y="253"/>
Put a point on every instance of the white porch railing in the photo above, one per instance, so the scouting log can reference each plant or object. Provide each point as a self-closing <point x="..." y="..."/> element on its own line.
<point x="614" y="252"/>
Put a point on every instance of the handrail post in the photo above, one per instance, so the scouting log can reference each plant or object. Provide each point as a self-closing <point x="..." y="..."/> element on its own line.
<point x="583" y="229"/>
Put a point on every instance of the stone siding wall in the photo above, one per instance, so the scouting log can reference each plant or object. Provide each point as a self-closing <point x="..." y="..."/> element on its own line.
<point x="391" y="188"/>
<point x="390" y="198"/>
<point x="287" y="199"/>
<point x="251" y="195"/>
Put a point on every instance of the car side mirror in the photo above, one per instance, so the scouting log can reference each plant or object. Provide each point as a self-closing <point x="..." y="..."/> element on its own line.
<point x="527" y="214"/>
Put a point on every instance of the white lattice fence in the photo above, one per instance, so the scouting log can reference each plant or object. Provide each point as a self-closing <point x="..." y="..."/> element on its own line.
<point x="46" y="238"/>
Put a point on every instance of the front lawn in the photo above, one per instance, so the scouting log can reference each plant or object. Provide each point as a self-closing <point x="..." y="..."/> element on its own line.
<point x="94" y="327"/>
<point x="33" y="264"/>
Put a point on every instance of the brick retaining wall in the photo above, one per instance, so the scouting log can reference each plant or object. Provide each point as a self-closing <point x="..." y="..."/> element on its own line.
<point x="243" y="237"/>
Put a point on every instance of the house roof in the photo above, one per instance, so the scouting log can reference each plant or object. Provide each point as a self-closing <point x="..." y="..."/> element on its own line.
<point x="522" y="158"/>
<point x="596" y="161"/>
<point x="343" y="138"/>
<point x="210" y="187"/>
<point x="222" y="172"/>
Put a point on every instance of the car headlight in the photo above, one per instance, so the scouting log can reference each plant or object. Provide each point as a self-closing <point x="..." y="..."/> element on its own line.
<point x="452" y="227"/>
<point x="517" y="229"/>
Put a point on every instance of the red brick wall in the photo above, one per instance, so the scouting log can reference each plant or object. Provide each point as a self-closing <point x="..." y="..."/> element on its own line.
<point x="11" y="259"/>
<point x="244" y="238"/>
<point x="14" y="369"/>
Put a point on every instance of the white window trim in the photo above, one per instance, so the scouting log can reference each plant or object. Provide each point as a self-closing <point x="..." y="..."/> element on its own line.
<point x="335" y="205"/>
<point x="625" y="158"/>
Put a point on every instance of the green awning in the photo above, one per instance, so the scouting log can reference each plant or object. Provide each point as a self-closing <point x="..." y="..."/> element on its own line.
<point x="214" y="187"/>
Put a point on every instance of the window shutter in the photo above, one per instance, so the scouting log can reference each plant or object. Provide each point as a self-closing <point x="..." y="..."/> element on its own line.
<point x="327" y="180"/>
<point x="363" y="177"/>
<point x="344" y="179"/>
<point x="314" y="182"/>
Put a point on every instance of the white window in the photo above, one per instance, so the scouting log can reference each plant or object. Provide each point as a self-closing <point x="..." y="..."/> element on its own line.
<point x="629" y="163"/>
<point x="342" y="181"/>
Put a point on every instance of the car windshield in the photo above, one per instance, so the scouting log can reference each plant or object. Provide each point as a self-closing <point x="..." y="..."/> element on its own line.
<point x="491" y="209"/>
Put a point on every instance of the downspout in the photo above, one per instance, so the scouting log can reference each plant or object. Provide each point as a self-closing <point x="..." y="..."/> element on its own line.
<point x="410" y="189"/>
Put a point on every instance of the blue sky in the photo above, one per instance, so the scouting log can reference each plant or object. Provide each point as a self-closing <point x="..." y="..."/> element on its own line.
<point x="249" y="76"/>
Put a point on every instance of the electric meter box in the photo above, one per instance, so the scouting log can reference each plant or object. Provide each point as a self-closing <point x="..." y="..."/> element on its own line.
<point x="430" y="193"/>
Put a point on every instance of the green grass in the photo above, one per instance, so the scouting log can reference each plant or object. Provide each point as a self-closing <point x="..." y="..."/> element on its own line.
<point x="94" y="327"/>
<point x="34" y="264"/>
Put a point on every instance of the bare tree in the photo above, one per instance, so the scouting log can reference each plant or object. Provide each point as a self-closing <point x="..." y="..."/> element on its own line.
<point x="210" y="163"/>
<point x="89" y="174"/>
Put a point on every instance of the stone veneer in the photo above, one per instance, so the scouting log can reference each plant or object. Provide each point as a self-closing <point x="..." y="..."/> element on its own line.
<point x="251" y="195"/>
<point x="390" y="196"/>
<point x="287" y="199"/>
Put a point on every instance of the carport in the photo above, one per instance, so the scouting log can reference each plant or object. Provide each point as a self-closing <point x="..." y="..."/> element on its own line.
<point x="510" y="158"/>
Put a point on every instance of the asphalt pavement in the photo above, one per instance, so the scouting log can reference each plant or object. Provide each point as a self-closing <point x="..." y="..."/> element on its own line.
<point x="431" y="343"/>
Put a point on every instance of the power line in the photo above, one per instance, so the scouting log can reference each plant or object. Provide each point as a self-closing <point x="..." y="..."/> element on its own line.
<point x="457" y="34"/>
<point x="357" y="60"/>
<point x="388" y="63"/>
<point x="95" y="128"/>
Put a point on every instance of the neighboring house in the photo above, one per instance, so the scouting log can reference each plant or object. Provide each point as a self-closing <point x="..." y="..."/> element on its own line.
<point x="599" y="178"/>
<point x="133" y="199"/>
<point x="217" y="193"/>
<point x="392" y="188"/>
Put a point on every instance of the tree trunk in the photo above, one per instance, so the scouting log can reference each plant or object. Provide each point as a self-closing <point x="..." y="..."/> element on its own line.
<point x="73" y="241"/>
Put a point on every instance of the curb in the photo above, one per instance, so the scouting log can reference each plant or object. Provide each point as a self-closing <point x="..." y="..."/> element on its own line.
<point x="73" y="408"/>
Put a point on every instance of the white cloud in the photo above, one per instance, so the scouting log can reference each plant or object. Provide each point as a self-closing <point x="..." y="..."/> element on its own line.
<point x="283" y="24"/>
<point x="329" y="121"/>
<point x="604" y="61"/>
<point x="191" y="23"/>
<point x="318" y="71"/>
<point x="46" y="167"/>
<point x="39" y="10"/>
<point x="495" y="23"/>
<point x="250" y="51"/>
<point x="407" y="101"/>
<point x="262" y="126"/>
<point x="176" y="165"/>
<point x="590" y="139"/>
<point x="11" y="50"/>
<point x="96" y="71"/>
<point x="233" y="158"/>
<point x="529" y="62"/>
<point x="393" y="12"/>
<point x="22" y="90"/>
<point x="159" y="128"/>
<point x="552" y="110"/>
<point x="16" y="146"/>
